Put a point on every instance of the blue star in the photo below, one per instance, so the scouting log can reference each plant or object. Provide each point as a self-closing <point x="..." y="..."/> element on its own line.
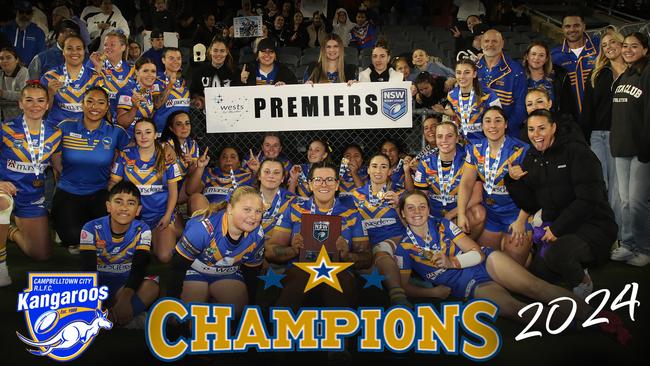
<point x="323" y="270"/>
<point x="373" y="279"/>
<point x="272" y="279"/>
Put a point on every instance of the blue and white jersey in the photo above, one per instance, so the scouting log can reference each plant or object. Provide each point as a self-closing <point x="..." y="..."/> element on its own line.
<point x="178" y="99"/>
<point x="115" y="78"/>
<point x="114" y="255"/>
<point x="145" y="109"/>
<point x="205" y="242"/>
<point x="470" y="109"/>
<point x="69" y="99"/>
<point x="217" y="184"/>
<point x="379" y="220"/>
<point x="151" y="183"/>
<point x="275" y="209"/>
<point x="441" y="180"/>
<point x="88" y="155"/>
<point x="16" y="165"/>
<point x="495" y="193"/>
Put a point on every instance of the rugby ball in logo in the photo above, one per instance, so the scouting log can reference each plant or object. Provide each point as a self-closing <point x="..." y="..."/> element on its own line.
<point x="395" y="109"/>
<point x="46" y="321"/>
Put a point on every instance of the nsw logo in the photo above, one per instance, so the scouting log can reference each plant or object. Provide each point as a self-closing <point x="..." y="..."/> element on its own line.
<point x="394" y="103"/>
<point x="321" y="230"/>
<point x="63" y="313"/>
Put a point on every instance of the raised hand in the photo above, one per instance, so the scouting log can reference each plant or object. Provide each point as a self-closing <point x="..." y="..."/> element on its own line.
<point x="515" y="171"/>
<point x="244" y="74"/>
<point x="203" y="160"/>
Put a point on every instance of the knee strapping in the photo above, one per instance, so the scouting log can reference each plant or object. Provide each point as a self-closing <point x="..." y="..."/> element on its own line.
<point x="5" y="215"/>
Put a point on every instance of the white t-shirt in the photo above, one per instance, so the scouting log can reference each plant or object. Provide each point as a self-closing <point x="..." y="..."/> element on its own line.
<point x="577" y="51"/>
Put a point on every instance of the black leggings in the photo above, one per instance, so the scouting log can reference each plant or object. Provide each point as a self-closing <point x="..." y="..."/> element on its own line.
<point x="563" y="260"/>
<point x="70" y="212"/>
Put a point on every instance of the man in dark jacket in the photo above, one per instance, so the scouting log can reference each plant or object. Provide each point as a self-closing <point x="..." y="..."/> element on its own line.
<point x="562" y="177"/>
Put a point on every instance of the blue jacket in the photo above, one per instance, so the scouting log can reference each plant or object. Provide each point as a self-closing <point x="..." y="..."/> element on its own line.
<point x="45" y="61"/>
<point x="28" y="43"/>
<point x="156" y="57"/>
<point x="582" y="66"/>
<point x="508" y="81"/>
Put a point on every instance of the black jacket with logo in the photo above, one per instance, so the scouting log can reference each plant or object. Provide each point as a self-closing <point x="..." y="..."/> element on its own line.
<point x="566" y="183"/>
<point x="207" y="75"/>
<point x="630" y="130"/>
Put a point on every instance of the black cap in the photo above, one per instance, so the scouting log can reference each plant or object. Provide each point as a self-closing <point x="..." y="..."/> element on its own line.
<point x="68" y="24"/>
<point x="479" y="29"/>
<point x="266" y="44"/>
<point x="156" y="34"/>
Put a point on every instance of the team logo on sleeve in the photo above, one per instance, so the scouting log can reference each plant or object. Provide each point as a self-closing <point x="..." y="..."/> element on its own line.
<point x="321" y="230"/>
<point x="394" y="102"/>
<point x="63" y="313"/>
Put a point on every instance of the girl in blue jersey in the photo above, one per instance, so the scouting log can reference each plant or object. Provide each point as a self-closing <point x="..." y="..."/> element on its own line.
<point x="68" y="83"/>
<point x="144" y="165"/>
<point x="439" y="175"/>
<point x="489" y="161"/>
<point x="400" y="168"/>
<point x="28" y="146"/>
<point x="275" y="198"/>
<point x="215" y="244"/>
<point x="170" y="91"/>
<point x="271" y="149"/>
<point x="135" y="101"/>
<point x="112" y="67"/>
<point x="286" y="241"/>
<point x="439" y="251"/>
<point x="352" y="171"/>
<point x="469" y="101"/>
<point x="89" y="145"/>
<point x="317" y="152"/>
<point x="381" y="222"/>
<point x="539" y="68"/>
<point x="212" y="185"/>
<point x="177" y="134"/>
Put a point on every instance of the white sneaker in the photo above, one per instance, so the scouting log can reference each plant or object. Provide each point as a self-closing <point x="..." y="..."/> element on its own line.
<point x="5" y="280"/>
<point x="584" y="289"/>
<point x="137" y="322"/>
<point x="621" y="254"/>
<point x="639" y="260"/>
<point x="74" y="250"/>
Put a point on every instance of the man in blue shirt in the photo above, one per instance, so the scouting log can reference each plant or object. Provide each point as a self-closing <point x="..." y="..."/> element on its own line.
<point x="577" y="56"/>
<point x="53" y="56"/>
<point x="505" y="77"/>
<point x="25" y="36"/>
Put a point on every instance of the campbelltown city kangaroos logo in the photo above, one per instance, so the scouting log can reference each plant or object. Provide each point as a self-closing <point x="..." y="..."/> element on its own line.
<point x="63" y="313"/>
<point x="394" y="103"/>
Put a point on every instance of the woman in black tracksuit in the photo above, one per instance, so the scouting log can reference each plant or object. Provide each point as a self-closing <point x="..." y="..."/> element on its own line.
<point x="562" y="176"/>
<point x="266" y="70"/>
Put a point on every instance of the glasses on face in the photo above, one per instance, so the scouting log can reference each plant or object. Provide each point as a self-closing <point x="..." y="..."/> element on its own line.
<point x="319" y="181"/>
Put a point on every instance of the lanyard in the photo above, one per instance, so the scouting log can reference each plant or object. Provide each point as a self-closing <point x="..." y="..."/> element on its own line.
<point x="446" y="182"/>
<point x="108" y="65"/>
<point x="376" y="200"/>
<point x="465" y="109"/>
<point x="233" y="180"/>
<point x="428" y="250"/>
<point x="491" y="169"/>
<point x="312" y="210"/>
<point x="269" y="214"/>
<point x="36" y="160"/>
<point x="68" y="81"/>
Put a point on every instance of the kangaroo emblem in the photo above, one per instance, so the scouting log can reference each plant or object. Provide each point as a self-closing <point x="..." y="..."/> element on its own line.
<point x="71" y="334"/>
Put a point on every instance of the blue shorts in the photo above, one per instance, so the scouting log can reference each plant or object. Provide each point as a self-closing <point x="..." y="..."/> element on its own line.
<point x="498" y="222"/>
<point x="463" y="282"/>
<point x="29" y="207"/>
<point x="192" y="275"/>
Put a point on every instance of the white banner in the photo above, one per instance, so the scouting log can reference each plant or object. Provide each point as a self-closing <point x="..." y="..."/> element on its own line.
<point x="307" y="108"/>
